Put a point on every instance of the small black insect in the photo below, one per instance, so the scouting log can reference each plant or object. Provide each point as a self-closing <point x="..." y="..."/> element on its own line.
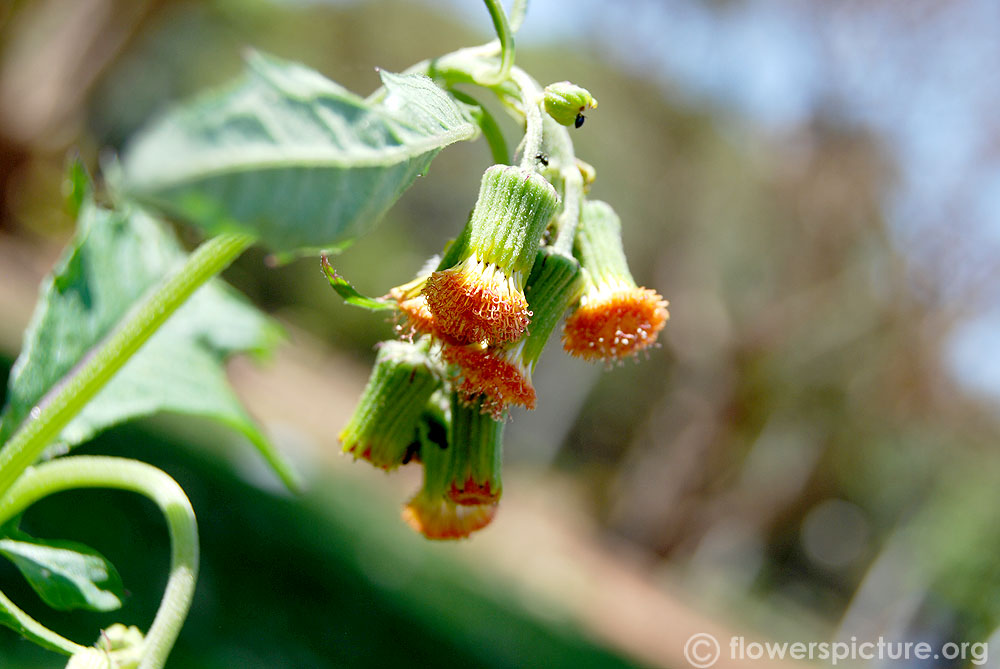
<point x="580" y="118"/>
<point x="542" y="158"/>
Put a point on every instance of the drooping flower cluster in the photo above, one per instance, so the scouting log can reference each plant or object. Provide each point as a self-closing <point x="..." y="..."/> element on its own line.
<point x="473" y="325"/>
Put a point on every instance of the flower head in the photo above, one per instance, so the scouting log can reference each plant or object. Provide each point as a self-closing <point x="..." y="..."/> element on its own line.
<point x="475" y="452"/>
<point x="462" y="485"/>
<point x="500" y="376"/>
<point x="497" y="376"/>
<point x="440" y="518"/>
<point x="414" y="316"/>
<point x="384" y="424"/>
<point x="480" y="296"/>
<point x="613" y="322"/>
<point x="476" y="301"/>
<point x="615" y="317"/>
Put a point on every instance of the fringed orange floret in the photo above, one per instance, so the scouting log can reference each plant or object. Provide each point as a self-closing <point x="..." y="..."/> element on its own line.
<point x="614" y="323"/>
<point x="443" y="519"/>
<point x="495" y="374"/>
<point x="417" y="318"/>
<point x="473" y="493"/>
<point x="414" y="316"/>
<point x="476" y="301"/>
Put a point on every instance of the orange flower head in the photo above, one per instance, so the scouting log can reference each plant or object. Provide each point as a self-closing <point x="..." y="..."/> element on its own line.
<point x="614" y="322"/>
<point x="438" y="518"/>
<point x="615" y="317"/>
<point x="462" y="483"/>
<point x="496" y="375"/>
<point x="477" y="292"/>
<point x="476" y="301"/>
<point x="417" y="318"/>
<point x="413" y="317"/>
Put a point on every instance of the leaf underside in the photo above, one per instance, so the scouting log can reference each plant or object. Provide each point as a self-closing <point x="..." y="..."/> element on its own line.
<point x="291" y="156"/>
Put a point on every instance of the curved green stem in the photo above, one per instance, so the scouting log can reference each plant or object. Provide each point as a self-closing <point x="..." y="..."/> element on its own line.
<point x="63" y="402"/>
<point x="124" y="474"/>
<point x="506" y="37"/>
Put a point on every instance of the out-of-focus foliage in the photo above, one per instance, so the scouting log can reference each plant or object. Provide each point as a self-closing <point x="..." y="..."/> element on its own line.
<point x="796" y="453"/>
<point x="113" y="259"/>
<point x="354" y="590"/>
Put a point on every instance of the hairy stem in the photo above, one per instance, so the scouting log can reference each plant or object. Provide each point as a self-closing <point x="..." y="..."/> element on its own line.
<point x="562" y="157"/>
<point x="569" y="218"/>
<point x="531" y="100"/>
<point x="124" y="474"/>
<point x="65" y="401"/>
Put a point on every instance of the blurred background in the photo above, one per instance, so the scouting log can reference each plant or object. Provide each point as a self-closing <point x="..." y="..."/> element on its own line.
<point x="810" y="455"/>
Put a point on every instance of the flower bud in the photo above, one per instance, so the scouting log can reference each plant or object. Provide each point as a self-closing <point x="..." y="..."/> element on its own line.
<point x="566" y="102"/>
<point x="384" y="424"/>
<point x="119" y="647"/>
<point x="89" y="658"/>
<point x="481" y="296"/>
<point x="615" y="318"/>
<point x="123" y="644"/>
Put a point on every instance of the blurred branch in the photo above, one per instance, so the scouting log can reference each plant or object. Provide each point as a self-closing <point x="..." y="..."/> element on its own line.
<point x="54" y="52"/>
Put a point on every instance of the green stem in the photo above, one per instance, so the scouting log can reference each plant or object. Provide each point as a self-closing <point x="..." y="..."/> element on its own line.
<point x="531" y="100"/>
<point x="517" y="12"/>
<point x="570" y="216"/>
<point x="506" y="37"/>
<point x="37" y="632"/>
<point x="121" y="473"/>
<point x="559" y="146"/>
<point x="65" y="401"/>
